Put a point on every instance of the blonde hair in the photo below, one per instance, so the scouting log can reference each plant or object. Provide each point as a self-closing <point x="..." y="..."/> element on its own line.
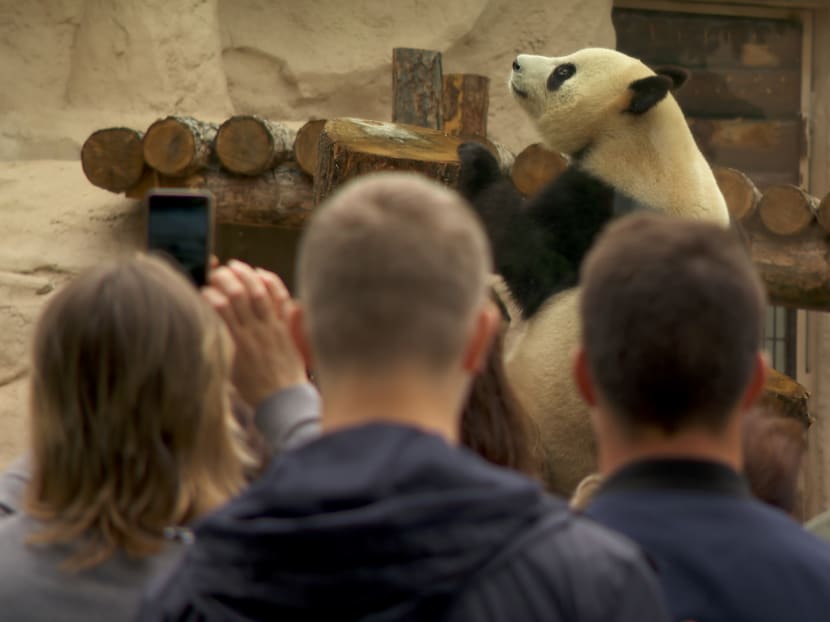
<point x="390" y="271"/>
<point x="131" y="430"/>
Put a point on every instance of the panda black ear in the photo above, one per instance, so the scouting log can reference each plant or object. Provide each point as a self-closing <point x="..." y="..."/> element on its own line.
<point x="647" y="92"/>
<point x="677" y="75"/>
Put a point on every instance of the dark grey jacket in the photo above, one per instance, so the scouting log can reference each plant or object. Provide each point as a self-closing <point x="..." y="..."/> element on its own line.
<point x="382" y="523"/>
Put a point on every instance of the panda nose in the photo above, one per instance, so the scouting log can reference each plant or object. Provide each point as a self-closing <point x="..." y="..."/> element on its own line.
<point x="516" y="65"/>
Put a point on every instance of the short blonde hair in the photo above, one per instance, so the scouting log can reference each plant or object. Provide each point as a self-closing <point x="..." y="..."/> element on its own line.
<point x="391" y="270"/>
<point x="131" y="430"/>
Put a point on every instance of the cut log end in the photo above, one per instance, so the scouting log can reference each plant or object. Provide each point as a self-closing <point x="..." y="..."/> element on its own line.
<point x="113" y="158"/>
<point x="738" y="191"/>
<point x="306" y="145"/>
<point x="787" y="210"/>
<point x="249" y="145"/>
<point x="178" y="146"/>
<point x="536" y="166"/>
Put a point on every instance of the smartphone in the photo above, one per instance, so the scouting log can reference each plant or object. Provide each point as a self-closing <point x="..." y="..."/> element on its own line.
<point x="180" y="227"/>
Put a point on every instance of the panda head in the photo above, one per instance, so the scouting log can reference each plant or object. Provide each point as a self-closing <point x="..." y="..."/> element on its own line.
<point x="575" y="100"/>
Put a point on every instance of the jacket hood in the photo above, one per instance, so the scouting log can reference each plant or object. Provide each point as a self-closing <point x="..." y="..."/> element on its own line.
<point x="368" y="521"/>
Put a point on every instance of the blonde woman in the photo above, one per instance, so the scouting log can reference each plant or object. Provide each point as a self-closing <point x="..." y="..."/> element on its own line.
<point x="131" y="439"/>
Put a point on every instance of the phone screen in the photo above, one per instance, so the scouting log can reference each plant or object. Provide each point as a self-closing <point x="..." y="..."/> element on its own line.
<point x="179" y="226"/>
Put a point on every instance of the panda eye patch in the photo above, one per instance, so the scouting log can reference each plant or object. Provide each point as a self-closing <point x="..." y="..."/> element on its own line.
<point x="559" y="75"/>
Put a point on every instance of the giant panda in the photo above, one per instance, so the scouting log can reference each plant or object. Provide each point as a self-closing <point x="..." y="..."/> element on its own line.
<point x="630" y="148"/>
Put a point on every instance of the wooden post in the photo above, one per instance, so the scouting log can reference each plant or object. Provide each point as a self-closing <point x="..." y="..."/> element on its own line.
<point x="178" y="146"/>
<point x="250" y="145"/>
<point x="740" y="193"/>
<point x="417" y="88"/>
<point x="787" y="210"/>
<point x="306" y="143"/>
<point x="535" y="166"/>
<point x="351" y="147"/>
<point x="113" y="158"/>
<point x="465" y="103"/>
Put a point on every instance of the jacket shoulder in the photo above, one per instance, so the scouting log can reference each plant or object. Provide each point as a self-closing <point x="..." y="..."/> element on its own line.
<point x="565" y="568"/>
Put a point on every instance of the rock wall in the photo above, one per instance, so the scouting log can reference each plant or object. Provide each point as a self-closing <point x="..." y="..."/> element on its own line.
<point x="70" y="67"/>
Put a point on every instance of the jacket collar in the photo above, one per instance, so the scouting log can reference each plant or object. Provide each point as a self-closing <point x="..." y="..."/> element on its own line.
<point x="677" y="474"/>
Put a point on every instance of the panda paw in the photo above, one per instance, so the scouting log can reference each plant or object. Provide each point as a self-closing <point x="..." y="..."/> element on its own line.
<point x="479" y="169"/>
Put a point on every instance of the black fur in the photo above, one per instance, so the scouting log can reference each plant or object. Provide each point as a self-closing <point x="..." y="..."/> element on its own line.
<point x="538" y="244"/>
<point x="648" y="92"/>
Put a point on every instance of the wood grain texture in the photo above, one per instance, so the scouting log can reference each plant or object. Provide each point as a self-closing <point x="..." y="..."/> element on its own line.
<point x="250" y="145"/>
<point x="113" y="158"/>
<point x="787" y="210"/>
<point x="417" y="87"/>
<point x="740" y="193"/>
<point x="179" y="146"/>
<point x="306" y="143"/>
<point x="466" y="101"/>
<point x="352" y="147"/>
<point x="535" y="166"/>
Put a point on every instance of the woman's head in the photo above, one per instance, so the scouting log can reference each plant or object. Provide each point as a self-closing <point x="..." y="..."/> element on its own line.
<point x="130" y="423"/>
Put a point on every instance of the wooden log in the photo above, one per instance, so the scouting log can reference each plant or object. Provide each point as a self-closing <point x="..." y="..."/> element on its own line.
<point x="466" y="100"/>
<point x="787" y="210"/>
<point x="113" y="158"/>
<point x="417" y="88"/>
<point x="306" y="143"/>
<point x="784" y="397"/>
<point x="796" y="271"/>
<point x="178" y="146"/>
<point x="740" y="193"/>
<point x="535" y="166"/>
<point x="352" y="147"/>
<point x="823" y="214"/>
<point x="250" y="145"/>
<point x="280" y="197"/>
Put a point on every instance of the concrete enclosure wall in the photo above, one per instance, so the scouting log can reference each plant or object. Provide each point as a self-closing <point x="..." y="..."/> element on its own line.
<point x="70" y="67"/>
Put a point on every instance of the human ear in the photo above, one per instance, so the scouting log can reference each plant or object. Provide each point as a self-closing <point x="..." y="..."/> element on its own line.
<point x="756" y="383"/>
<point x="582" y="377"/>
<point x="486" y="324"/>
<point x="295" y="318"/>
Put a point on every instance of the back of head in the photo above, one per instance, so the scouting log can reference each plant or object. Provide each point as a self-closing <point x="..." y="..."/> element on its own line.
<point x="391" y="271"/>
<point x="130" y="425"/>
<point x="671" y="315"/>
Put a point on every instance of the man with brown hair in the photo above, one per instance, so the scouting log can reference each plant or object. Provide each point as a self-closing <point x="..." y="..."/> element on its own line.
<point x="382" y="517"/>
<point x="671" y="363"/>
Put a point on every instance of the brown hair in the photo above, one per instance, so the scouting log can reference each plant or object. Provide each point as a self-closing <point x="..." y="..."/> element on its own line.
<point x="774" y="447"/>
<point x="671" y="315"/>
<point x="390" y="271"/>
<point x="493" y="423"/>
<point x="131" y="429"/>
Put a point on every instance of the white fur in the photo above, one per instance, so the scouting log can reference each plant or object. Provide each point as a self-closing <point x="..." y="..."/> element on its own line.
<point x="651" y="157"/>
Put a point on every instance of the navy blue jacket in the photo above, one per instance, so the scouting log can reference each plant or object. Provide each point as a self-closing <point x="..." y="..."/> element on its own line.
<point x="384" y="522"/>
<point x="721" y="555"/>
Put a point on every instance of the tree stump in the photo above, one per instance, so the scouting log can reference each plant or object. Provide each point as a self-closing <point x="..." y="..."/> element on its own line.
<point x="113" y="158"/>
<point x="465" y="103"/>
<point x="740" y="193"/>
<point x="249" y="145"/>
<point x="306" y="143"/>
<point x="178" y="146"/>
<point x="352" y="147"/>
<point x="279" y="197"/>
<point x="417" y="88"/>
<point x="535" y="166"/>
<point x="787" y="210"/>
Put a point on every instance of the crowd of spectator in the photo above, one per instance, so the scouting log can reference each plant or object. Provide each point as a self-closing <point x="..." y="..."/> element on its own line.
<point x="355" y="452"/>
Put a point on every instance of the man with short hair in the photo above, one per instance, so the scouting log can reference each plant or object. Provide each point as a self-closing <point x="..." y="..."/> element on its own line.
<point x="383" y="517"/>
<point x="671" y="362"/>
